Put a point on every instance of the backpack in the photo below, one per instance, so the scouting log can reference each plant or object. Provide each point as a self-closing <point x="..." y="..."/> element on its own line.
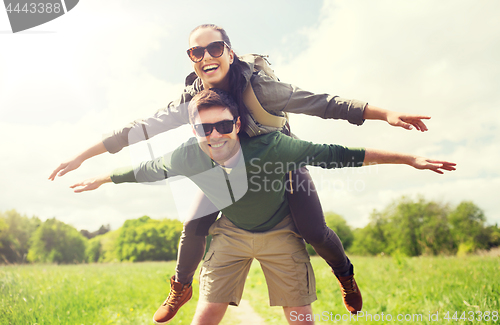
<point x="260" y="63"/>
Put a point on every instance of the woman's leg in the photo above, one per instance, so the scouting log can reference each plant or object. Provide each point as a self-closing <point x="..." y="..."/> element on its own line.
<point x="193" y="237"/>
<point x="192" y="246"/>
<point x="308" y="216"/>
<point x="191" y="250"/>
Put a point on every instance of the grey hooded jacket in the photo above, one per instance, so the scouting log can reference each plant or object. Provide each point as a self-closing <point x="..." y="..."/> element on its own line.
<point x="275" y="97"/>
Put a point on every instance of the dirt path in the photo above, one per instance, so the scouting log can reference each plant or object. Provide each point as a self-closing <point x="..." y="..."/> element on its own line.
<point x="245" y="314"/>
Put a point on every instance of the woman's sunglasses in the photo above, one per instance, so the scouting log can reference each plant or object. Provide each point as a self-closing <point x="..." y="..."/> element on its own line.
<point x="223" y="127"/>
<point x="215" y="49"/>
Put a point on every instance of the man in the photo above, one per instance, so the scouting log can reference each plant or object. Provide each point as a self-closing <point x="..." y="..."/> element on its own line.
<point x="244" y="178"/>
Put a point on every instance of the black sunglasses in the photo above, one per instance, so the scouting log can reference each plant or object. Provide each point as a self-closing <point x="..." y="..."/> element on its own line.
<point x="215" y="49"/>
<point x="223" y="127"/>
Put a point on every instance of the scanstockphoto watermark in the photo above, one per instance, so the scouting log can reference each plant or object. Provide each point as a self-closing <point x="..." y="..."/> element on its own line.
<point x="337" y="176"/>
<point x="28" y="14"/>
<point x="363" y="316"/>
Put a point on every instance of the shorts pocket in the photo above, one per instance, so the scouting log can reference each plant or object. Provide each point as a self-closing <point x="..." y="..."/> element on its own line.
<point x="205" y="272"/>
<point x="305" y="273"/>
<point x="208" y="256"/>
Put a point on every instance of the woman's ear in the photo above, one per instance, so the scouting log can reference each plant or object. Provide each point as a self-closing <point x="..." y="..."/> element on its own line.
<point x="231" y="56"/>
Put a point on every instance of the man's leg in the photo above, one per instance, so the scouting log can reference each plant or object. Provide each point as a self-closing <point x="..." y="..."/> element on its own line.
<point x="209" y="313"/>
<point x="288" y="271"/>
<point x="224" y="271"/>
<point x="301" y="315"/>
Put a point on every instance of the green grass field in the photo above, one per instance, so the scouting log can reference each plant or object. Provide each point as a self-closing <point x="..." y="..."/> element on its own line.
<point x="130" y="293"/>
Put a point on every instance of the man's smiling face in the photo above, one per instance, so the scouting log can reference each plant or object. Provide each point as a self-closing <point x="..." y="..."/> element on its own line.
<point x="219" y="147"/>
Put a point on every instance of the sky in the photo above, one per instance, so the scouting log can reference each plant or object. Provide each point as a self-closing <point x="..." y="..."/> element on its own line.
<point x="66" y="83"/>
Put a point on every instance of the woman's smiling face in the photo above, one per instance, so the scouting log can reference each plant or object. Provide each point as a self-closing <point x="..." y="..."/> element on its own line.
<point x="212" y="71"/>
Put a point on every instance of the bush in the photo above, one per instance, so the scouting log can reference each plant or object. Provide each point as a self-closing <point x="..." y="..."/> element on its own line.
<point x="56" y="242"/>
<point x="147" y="239"/>
<point x="94" y="250"/>
<point x="15" y="233"/>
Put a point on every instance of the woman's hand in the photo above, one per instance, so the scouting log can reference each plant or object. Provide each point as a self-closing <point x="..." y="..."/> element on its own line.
<point x="66" y="167"/>
<point x="75" y="162"/>
<point x="407" y="121"/>
<point x="90" y="184"/>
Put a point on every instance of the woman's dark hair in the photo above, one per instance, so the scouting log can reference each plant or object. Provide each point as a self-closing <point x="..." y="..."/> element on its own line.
<point x="237" y="81"/>
<point x="221" y="30"/>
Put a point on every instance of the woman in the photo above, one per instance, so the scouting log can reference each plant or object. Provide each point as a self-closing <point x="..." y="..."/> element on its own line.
<point x="217" y="66"/>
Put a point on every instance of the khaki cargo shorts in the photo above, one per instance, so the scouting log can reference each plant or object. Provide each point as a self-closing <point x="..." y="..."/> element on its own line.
<point x="281" y="253"/>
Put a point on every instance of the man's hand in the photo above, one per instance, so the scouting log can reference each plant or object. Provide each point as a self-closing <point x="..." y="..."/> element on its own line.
<point x="435" y="165"/>
<point x="376" y="156"/>
<point x="90" y="184"/>
<point x="407" y="121"/>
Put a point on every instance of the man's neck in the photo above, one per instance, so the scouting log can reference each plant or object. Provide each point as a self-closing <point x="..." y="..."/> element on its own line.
<point x="231" y="162"/>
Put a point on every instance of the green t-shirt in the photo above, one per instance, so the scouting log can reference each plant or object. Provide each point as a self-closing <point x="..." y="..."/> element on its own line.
<point x="252" y="193"/>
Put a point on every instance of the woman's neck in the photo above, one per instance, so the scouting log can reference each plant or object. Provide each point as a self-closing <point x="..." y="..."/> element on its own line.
<point x="223" y="85"/>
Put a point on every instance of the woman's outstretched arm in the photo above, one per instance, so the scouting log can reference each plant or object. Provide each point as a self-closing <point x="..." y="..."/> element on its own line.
<point x="404" y="120"/>
<point x="76" y="161"/>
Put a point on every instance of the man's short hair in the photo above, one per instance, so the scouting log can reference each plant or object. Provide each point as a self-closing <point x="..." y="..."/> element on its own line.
<point x="209" y="98"/>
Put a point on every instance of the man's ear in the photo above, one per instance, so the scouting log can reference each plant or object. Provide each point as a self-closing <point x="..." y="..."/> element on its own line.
<point x="192" y="129"/>
<point x="238" y="125"/>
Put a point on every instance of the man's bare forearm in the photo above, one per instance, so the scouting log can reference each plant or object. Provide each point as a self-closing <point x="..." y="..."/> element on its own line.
<point x="375" y="156"/>
<point x="91" y="183"/>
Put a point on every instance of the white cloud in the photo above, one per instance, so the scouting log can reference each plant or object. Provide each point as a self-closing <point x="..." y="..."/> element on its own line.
<point x="59" y="92"/>
<point x="438" y="59"/>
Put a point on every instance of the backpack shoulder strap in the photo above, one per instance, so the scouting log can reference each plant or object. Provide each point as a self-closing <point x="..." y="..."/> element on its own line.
<point x="258" y="112"/>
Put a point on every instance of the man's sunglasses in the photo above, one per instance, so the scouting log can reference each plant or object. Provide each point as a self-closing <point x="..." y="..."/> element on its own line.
<point x="223" y="127"/>
<point x="215" y="49"/>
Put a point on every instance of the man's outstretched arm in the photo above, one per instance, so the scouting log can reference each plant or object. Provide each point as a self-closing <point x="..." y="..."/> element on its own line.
<point x="145" y="172"/>
<point x="375" y="156"/>
<point x="91" y="183"/>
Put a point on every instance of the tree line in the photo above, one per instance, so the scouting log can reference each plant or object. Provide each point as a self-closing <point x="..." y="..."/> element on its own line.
<point x="407" y="227"/>
<point x="24" y="239"/>
<point x="420" y="227"/>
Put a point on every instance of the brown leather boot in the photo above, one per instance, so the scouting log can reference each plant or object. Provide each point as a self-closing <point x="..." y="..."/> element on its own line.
<point x="350" y="292"/>
<point x="178" y="296"/>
